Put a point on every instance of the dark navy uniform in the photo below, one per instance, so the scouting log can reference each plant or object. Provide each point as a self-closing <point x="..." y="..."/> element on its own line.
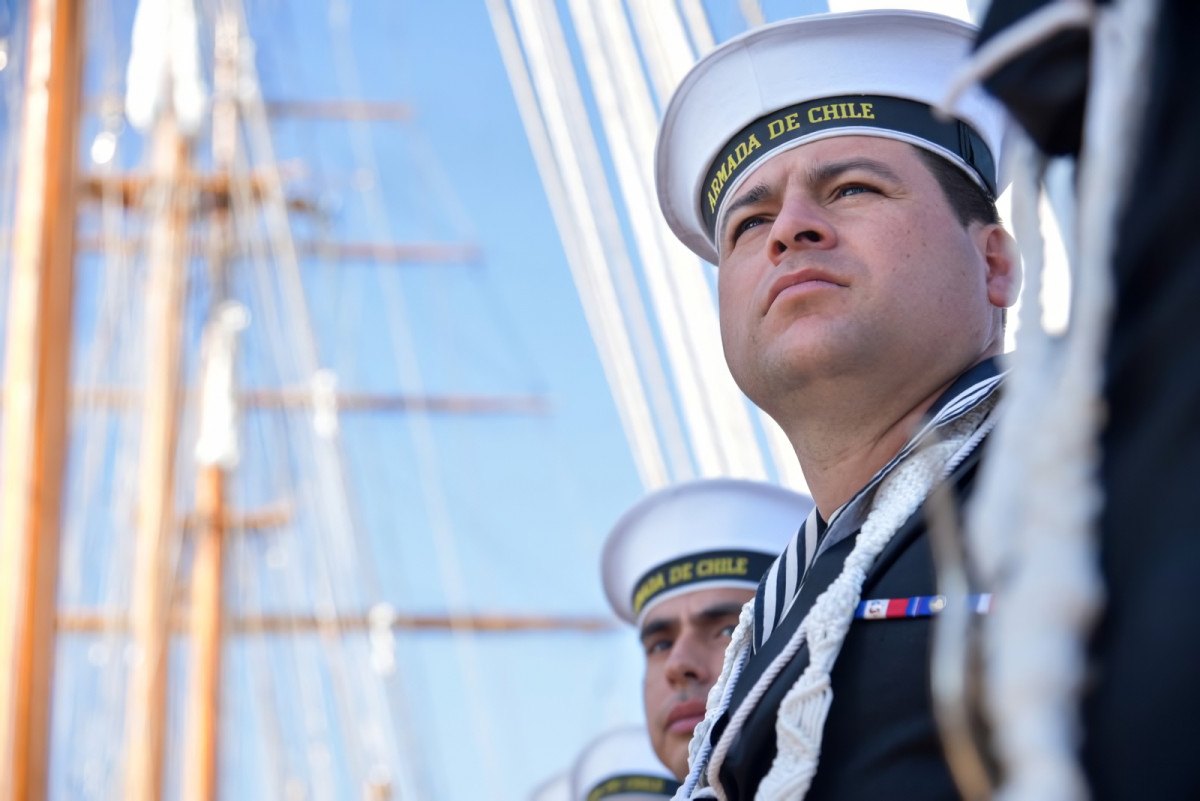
<point x="880" y="739"/>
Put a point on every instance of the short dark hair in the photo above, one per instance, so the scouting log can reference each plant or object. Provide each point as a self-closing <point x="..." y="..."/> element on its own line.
<point x="970" y="201"/>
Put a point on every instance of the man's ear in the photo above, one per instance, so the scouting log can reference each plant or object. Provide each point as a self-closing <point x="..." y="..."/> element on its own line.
<point x="1003" y="260"/>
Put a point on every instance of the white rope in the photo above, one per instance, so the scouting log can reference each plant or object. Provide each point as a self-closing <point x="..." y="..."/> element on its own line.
<point x="629" y="122"/>
<point x="102" y="486"/>
<point x="1032" y="666"/>
<point x="329" y="569"/>
<point x="720" y="427"/>
<point x="571" y="197"/>
<point x="1032" y="530"/>
<point x="993" y="514"/>
<point x="739" y="719"/>
<point x="752" y="12"/>
<point x="665" y="46"/>
<point x="697" y="25"/>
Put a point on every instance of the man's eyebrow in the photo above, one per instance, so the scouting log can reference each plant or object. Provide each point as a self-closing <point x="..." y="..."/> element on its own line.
<point x="719" y="610"/>
<point x="816" y="176"/>
<point x="757" y="194"/>
<point x="830" y="170"/>
<point x="653" y="627"/>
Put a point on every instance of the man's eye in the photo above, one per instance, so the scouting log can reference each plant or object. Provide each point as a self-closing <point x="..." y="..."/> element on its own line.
<point x="852" y="189"/>
<point x="728" y="630"/>
<point x="658" y="647"/>
<point x="745" y="225"/>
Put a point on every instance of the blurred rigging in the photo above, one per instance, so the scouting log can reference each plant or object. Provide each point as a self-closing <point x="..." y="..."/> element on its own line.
<point x="213" y="544"/>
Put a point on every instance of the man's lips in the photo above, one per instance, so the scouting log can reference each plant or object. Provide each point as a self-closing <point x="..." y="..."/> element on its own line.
<point x="685" y="716"/>
<point x="800" y="279"/>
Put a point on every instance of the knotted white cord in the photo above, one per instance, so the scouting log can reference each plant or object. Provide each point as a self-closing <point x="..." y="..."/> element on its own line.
<point x="998" y="508"/>
<point x="1034" y="665"/>
<point x="747" y="706"/>
<point x="800" y="723"/>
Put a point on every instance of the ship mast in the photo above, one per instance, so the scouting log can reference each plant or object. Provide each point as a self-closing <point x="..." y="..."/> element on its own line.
<point x="216" y="453"/>
<point x="155" y="80"/>
<point x="216" y="448"/>
<point x="37" y="400"/>
<point x="36" y="383"/>
<point x="166" y="290"/>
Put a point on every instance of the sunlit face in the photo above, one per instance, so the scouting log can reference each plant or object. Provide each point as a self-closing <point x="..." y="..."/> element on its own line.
<point x="685" y="639"/>
<point x="843" y="256"/>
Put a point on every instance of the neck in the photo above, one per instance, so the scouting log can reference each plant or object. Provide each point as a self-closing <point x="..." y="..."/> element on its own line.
<point x="844" y="435"/>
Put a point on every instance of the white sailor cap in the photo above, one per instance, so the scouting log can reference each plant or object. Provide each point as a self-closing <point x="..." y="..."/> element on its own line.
<point x="698" y="535"/>
<point x="876" y="73"/>
<point x="620" y="764"/>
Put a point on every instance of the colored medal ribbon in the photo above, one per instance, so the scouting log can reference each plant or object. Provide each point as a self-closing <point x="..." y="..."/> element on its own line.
<point x="917" y="606"/>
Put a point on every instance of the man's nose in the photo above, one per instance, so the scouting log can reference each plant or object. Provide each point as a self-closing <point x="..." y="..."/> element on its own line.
<point x="800" y="224"/>
<point x="686" y="663"/>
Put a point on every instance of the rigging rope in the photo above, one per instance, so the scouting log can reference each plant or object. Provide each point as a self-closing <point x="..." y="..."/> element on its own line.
<point x="719" y="421"/>
<point x="581" y="240"/>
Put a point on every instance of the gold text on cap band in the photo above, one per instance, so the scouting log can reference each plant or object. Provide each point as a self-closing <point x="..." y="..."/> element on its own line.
<point x="633" y="783"/>
<point x="849" y="111"/>
<point x="721" y="565"/>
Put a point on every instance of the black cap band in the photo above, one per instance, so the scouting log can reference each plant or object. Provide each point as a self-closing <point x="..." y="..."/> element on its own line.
<point x="633" y="783"/>
<point x="725" y="565"/>
<point x="769" y="132"/>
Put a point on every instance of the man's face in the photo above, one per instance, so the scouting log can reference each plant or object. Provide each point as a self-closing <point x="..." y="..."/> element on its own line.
<point x="842" y="256"/>
<point x="685" y="638"/>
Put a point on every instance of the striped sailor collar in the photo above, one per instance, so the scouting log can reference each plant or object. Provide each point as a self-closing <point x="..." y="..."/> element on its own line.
<point x="967" y="388"/>
<point x="781" y="584"/>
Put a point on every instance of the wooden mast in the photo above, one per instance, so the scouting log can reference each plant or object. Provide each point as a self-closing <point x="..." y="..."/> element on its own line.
<point x="216" y="453"/>
<point x="219" y="452"/>
<point x="166" y="291"/>
<point x="35" y="415"/>
<point x="36" y="379"/>
<point x="200" y="765"/>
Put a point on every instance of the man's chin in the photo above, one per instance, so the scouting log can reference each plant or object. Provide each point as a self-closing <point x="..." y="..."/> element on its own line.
<point x="677" y="748"/>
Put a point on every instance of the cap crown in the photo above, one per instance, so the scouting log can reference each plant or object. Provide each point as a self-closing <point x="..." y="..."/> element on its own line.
<point x="709" y="525"/>
<point x="898" y="54"/>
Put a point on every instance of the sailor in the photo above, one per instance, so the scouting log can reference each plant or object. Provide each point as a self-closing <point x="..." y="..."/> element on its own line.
<point x="621" y="766"/>
<point x="679" y="566"/>
<point x="862" y="280"/>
